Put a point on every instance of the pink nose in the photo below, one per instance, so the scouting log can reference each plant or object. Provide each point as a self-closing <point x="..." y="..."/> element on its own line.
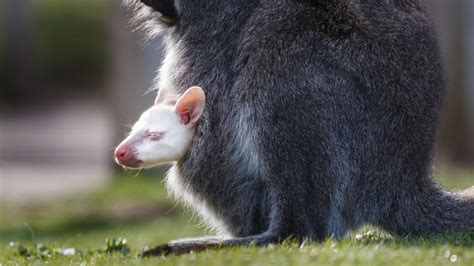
<point x="125" y="155"/>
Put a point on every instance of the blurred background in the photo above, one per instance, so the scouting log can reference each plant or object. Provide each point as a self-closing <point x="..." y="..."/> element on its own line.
<point x="73" y="76"/>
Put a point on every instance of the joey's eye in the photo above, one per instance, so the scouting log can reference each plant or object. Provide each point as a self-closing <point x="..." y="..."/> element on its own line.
<point x="165" y="7"/>
<point x="154" y="136"/>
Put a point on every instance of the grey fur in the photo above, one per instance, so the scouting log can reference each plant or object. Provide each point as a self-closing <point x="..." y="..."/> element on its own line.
<point x="321" y="116"/>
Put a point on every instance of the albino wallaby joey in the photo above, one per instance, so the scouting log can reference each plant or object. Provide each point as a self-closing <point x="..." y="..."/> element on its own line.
<point x="163" y="134"/>
<point x="321" y="116"/>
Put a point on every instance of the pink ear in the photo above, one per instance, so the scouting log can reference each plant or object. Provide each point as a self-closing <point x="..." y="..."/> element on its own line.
<point x="191" y="105"/>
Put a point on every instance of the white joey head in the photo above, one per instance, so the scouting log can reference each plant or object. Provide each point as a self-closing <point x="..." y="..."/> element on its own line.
<point x="163" y="133"/>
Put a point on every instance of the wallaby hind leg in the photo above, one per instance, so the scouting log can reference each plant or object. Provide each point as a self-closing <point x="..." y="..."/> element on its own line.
<point x="274" y="234"/>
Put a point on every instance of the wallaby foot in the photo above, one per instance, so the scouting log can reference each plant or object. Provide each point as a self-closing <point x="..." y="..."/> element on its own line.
<point x="175" y="249"/>
<point x="181" y="247"/>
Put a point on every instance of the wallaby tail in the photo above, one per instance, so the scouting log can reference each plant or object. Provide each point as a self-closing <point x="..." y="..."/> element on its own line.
<point x="432" y="210"/>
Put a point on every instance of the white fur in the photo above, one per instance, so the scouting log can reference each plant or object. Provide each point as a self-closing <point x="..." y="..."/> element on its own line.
<point x="169" y="70"/>
<point x="178" y="189"/>
<point x="171" y="147"/>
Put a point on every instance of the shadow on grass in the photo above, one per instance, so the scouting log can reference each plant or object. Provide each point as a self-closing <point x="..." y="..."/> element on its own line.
<point x="67" y="228"/>
<point x="91" y="225"/>
<point x="74" y="227"/>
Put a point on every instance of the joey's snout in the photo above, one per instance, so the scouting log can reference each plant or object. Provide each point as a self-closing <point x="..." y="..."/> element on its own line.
<point x="125" y="156"/>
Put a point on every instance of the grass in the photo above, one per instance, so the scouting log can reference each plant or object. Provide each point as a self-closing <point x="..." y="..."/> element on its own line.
<point x="74" y="231"/>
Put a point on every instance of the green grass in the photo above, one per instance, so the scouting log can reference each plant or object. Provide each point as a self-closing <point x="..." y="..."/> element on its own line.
<point x="139" y="210"/>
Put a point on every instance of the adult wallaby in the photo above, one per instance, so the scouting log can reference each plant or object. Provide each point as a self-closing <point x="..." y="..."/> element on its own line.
<point x="321" y="116"/>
